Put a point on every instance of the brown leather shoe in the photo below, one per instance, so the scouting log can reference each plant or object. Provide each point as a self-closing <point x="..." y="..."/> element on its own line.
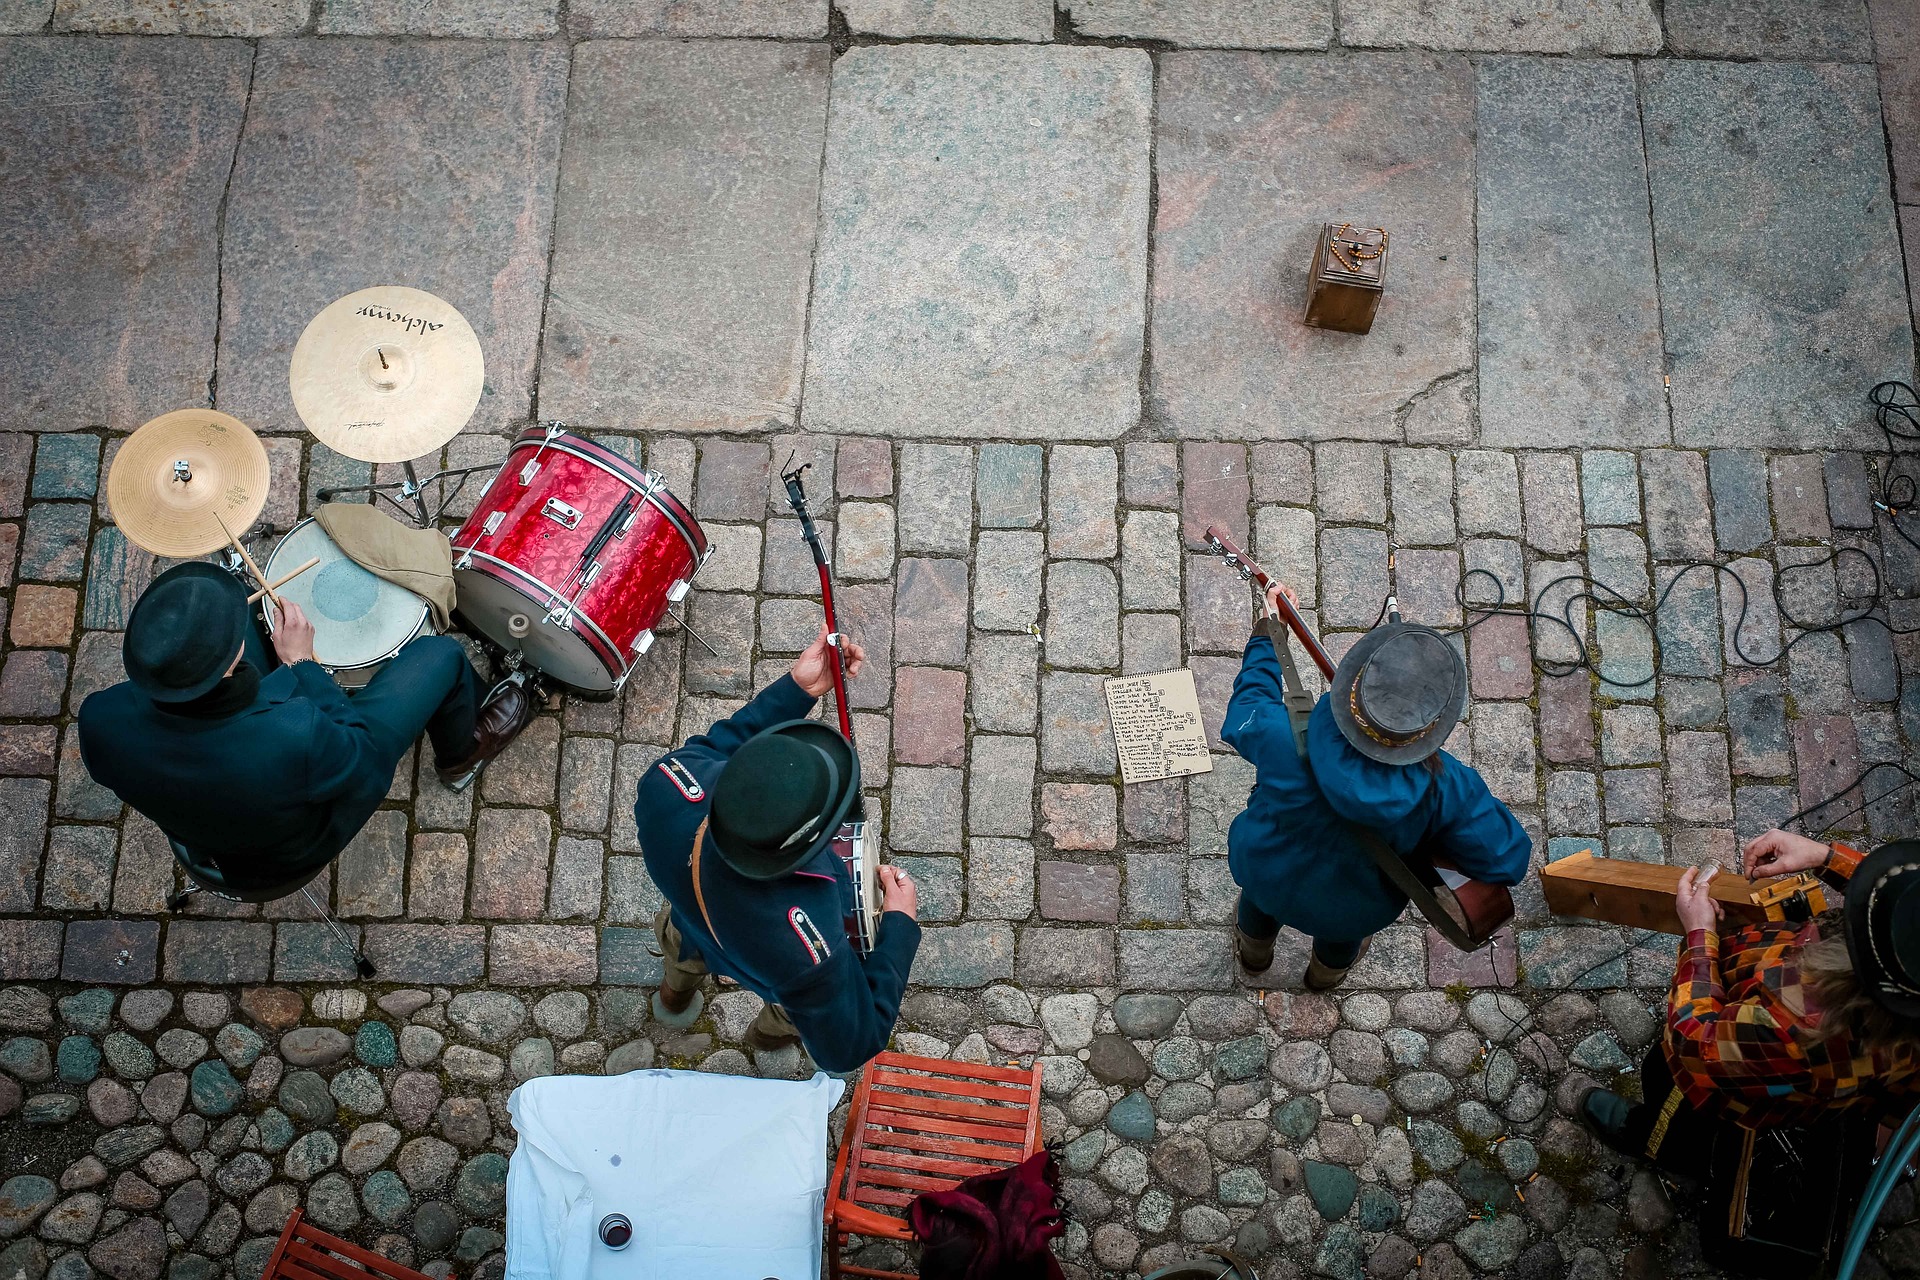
<point x="760" y="1042"/>
<point x="676" y="1001"/>
<point x="506" y="710"/>
<point x="1324" y="977"/>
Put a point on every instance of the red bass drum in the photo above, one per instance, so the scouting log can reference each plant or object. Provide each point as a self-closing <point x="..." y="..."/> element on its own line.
<point x="572" y="557"/>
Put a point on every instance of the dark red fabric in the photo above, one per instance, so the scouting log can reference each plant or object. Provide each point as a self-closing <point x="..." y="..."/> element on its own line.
<point x="993" y="1226"/>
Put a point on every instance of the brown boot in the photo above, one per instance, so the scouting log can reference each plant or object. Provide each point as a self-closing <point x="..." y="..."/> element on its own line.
<point x="503" y="714"/>
<point x="1255" y="954"/>
<point x="676" y="1001"/>
<point x="1324" y="977"/>
<point x="762" y="1041"/>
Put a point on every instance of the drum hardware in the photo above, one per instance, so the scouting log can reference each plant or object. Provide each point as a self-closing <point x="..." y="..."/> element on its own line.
<point x="572" y="568"/>
<point x="179" y="467"/>
<point x="266" y="587"/>
<point x="850" y="842"/>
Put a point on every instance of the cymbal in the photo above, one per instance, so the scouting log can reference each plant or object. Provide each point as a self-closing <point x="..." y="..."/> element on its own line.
<point x="178" y="472"/>
<point x="387" y="374"/>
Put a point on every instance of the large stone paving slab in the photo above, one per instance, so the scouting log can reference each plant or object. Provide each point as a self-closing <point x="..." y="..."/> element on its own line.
<point x="175" y="18"/>
<point x="682" y="243"/>
<point x="496" y="19"/>
<point x="1217" y="24"/>
<point x="800" y="19"/>
<point x="426" y="163"/>
<point x="114" y="159"/>
<point x="1780" y="275"/>
<point x="979" y="19"/>
<point x="982" y="272"/>
<point x="1817" y="29"/>
<point x="1569" y="308"/>
<point x="1254" y="152"/>
<point x="1514" y="26"/>
<point x="1896" y="50"/>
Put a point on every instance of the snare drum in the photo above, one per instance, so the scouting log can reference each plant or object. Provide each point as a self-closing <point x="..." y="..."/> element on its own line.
<point x="360" y="620"/>
<point x="572" y="557"/>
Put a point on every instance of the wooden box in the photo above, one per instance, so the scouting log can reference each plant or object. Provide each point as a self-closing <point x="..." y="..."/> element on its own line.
<point x="1349" y="271"/>
<point x="1640" y="894"/>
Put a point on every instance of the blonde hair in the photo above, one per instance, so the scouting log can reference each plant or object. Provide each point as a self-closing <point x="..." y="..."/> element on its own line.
<point x="1846" y="1006"/>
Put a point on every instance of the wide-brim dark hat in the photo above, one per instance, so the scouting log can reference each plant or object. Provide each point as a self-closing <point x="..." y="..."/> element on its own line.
<point x="782" y="798"/>
<point x="184" y="632"/>
<point x="1882" y="926"/>
<point x="1399" y="692"/>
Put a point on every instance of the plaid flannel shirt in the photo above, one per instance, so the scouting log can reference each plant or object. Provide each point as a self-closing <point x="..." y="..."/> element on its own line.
<point x="1740" y="1030"/>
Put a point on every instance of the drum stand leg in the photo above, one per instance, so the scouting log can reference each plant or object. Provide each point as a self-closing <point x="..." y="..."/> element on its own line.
<point x="686" y="627"/>
<point x="362" y="965"/>
<point x="411" y="490"/>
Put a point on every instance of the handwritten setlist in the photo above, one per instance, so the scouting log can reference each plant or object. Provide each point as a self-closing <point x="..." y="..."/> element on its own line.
<point x="1156" y="724"/>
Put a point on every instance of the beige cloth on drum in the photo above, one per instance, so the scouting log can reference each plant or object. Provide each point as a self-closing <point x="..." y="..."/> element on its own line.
<point x="421" y="560"/>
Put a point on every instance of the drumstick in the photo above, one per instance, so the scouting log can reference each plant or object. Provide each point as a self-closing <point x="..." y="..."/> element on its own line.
<point x="252" y="568"/>
<point x="283" y="581"/>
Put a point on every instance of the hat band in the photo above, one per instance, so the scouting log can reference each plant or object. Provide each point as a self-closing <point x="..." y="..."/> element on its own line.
<point x="1887" y="980"/>
<point x="1380" y="736"/>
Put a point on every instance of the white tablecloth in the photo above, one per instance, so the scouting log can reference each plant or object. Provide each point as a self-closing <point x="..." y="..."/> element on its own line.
<point x="724" y="1178"/>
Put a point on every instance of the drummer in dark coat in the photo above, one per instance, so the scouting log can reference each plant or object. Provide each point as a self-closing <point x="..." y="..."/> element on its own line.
<point x="256" y="759"/>
<point x="1373" y="744"/>
<point x="752" y="806"/>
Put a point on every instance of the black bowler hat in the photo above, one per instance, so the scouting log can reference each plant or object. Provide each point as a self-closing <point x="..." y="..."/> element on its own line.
<point x="1399" y="692"/>
<point x="1882" y="926"/>
<point x="782" y="798"/>
<point x="185" y="632"/>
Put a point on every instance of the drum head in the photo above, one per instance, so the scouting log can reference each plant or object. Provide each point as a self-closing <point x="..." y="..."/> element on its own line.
<point x="515" y="622"/>
<point x="358" y="617"/>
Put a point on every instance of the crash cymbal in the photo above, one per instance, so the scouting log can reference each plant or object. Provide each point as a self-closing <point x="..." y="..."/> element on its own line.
<point x="387" y="374"/>
<point x="178" y="472"/>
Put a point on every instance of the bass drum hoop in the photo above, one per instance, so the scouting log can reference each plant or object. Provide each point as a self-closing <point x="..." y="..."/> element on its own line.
<point x="517" y="580"/>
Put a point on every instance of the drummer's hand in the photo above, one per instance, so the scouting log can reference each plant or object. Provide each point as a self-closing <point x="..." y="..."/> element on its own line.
<point x="293" y="635"/>
<point x="813" y="670"/>
<point x="1781" y="853"/>
<point x="1274" y="593"/>
<point x="897" y="892"/>
<point x="1694" y="903"/>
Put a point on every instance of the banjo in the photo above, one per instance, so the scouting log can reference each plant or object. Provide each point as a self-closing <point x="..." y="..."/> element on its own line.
<point x="851" y="844"/>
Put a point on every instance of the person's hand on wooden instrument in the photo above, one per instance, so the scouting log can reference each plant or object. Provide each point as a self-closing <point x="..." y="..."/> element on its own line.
<point x="293" y="635"/>
<point x="813" y="670"/>
<point x="897" y="892"/>
<point x="1274" y="593"/>
<point x="1781" y="853"/>
<point x="1694" y="902"/>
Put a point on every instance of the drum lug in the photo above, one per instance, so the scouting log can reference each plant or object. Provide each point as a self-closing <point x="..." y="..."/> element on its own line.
<point x="641" y="645"/>
<point x="493" y="523"/>
<point x="528" y="472"/>
<point x="593" y="571"/>
<point x="678" y="591"/>
<point x="560" y="513"/>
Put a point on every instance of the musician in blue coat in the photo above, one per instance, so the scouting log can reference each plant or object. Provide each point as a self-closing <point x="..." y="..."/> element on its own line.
<point x="1374" y="760"/>
<point x="737" y="827"/>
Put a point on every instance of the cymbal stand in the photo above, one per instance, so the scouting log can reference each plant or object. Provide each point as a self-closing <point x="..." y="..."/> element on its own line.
<point x="411" y="490"/>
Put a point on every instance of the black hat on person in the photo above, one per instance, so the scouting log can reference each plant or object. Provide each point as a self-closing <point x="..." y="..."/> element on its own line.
<point x="1399" y="692"/>
<point x="1882" y="926"/>
<point x="782" y="797"/>
<point x="184" y="632"/>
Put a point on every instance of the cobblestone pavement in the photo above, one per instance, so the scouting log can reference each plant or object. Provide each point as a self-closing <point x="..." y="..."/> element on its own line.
<point x="1022" y="282"/>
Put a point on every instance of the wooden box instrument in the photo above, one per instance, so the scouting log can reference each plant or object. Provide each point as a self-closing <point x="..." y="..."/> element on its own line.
<point x="1641" y="894"/>
<point x="1349" y="271"/>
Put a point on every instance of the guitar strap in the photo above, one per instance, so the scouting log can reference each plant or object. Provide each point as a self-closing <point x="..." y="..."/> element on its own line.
<point x="1299" y="706"/>
<point x="693" y="865"/>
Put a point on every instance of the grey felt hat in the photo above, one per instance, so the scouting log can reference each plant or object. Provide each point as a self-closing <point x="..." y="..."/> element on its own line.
<point x="1399" y="692"/>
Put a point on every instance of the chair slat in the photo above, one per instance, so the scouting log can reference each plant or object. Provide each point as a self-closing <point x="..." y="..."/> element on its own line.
<point x="956" y="1070"/>
<point x="291" y="1270"/>
<point x="992" y="1152"/>
<point x="1013" y="1117"/>
<point x="915" y="1123"/>
<point x="891" y="1080"/>
<point x="931" y="1164"/>
<point x="881" y="1176"/>
<point x="324" y="1263"/>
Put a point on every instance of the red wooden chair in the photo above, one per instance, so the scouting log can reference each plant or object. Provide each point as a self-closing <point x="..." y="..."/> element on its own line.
<point x="922" y="1124"/>
<point x="307" y="1253"/>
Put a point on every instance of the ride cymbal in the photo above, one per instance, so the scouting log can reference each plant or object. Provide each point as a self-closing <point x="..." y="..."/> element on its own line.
<point x="178" y="472"/>
<point x="387" y="374"/>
